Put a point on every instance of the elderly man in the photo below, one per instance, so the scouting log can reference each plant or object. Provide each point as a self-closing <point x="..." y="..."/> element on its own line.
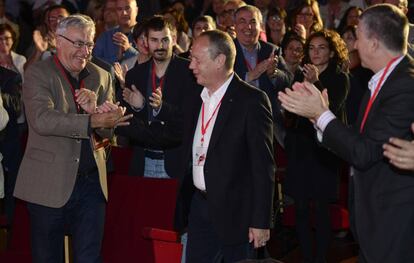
<point x="63" y="173"/>
<point x="228" y="187"/>
<point x="258" y="62"/>
<point x="383" y="195"/>
<point x="116" y="44"/>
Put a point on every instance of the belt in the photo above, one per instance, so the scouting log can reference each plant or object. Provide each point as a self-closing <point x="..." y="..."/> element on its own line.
<point x="87" y="173"/>
<point x="154" y="155"/>
<point x="203" y="193"/>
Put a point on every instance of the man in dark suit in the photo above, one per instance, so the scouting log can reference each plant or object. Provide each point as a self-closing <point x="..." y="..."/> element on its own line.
<point x="383" y="194"/>
<point x="165" y="77"/>
<point x="228" y="148"/>
<point x="258" y="62"/>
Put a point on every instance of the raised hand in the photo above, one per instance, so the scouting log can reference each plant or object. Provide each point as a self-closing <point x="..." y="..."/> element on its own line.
<point x="311" y="73"/>
<point x="133" y="97"/>
<point x="40" y="42"/>
<point x="120" y="73"/>
<point x="156" y="99"/>
<point x="110" y="119"/>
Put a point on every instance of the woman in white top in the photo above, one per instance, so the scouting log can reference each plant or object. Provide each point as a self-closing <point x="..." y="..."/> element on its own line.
<point x="8" y="58"/>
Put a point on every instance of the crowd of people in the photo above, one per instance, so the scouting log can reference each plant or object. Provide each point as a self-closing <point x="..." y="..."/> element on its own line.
<point x="203" y="91"/>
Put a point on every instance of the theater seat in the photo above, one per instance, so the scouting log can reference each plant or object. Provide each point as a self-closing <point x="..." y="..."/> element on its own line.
<point x="18" y="251"/>
<point x="134" y="204"/>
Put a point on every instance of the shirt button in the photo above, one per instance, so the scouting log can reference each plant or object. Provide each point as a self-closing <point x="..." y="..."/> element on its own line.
<point x="77" y="160"/>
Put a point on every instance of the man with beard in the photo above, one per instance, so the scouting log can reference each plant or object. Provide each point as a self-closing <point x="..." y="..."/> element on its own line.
<point x="156" y="127"/>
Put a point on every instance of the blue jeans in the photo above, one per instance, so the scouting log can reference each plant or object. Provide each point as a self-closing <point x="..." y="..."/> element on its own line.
<point x="82" y="216"/>
<point x="155" y="168"/>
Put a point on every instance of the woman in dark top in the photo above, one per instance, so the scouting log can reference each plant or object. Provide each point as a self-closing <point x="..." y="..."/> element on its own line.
<point x="312" y="171"/>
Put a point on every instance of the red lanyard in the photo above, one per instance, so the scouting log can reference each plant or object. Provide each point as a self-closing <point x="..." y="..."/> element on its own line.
<point x="249" y="67"/>
<point x="205" y="127"/>
<point x="60" y="67"/>
<point x="154" y="84"/>
<point x="374" y="95"/>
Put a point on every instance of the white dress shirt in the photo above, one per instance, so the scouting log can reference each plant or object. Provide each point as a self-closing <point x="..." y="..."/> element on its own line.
<point x="211" y="102"/>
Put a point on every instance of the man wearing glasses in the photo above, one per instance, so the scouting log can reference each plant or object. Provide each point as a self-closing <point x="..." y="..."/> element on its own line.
<point x="63" y="173"/>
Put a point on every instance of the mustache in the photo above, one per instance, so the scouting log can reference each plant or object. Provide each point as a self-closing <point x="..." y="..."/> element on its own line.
<point x="160" y="50"/>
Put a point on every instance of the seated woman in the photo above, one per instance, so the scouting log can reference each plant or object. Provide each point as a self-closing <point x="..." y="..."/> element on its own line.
<point x="312" y="171"/>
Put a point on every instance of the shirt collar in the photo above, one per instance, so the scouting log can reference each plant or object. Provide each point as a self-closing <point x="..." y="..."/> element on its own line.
<point x="374" y="80"/>
<point x="218" y="94"/>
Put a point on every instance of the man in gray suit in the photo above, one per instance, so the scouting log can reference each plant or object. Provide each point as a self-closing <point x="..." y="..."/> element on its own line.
<point x="63" y="173"/>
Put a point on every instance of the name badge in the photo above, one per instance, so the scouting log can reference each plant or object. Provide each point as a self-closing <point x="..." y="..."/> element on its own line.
<point x="200" y="156"/>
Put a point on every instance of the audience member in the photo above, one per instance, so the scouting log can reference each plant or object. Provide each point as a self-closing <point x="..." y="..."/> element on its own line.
<point x="276" y="25"/>
<point x="333" y="12"/>
<point x="312" y="172"/>
<point x="305" y="19"/>
<point x="182" y="39"/>
<point x="383" y="195"/>
<point x="292" y="50"/>
<point x="227" y="16"/>
<point x="63" y="172"/>
<point x="116" y="44"/>
<point x="258" y="62"/>
<point x="165" y="77"/>
<point x="44" y="38"/>
<point x="8" y="58"/>
<point x="350" y="18"/>
<point x="228" y="189"/>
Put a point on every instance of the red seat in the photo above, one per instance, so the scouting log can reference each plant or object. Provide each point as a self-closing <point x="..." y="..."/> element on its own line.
<point x="19" y="250"/>
<point x="121" y="157"/>
<point x="136" y="203"/>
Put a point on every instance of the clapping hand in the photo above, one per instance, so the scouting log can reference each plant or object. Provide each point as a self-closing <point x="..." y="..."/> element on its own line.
<point x="86" y="99"/>
<point x="133" y="97"/>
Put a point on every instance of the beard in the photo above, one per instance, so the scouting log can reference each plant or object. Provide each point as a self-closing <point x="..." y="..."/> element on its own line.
<point x="161" y="55"/>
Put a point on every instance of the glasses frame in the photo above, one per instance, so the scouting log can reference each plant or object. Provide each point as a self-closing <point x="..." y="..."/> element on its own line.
<point x="79" y="44"/>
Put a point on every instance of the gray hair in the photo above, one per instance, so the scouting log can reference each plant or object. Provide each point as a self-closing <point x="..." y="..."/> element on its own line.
<point x="221" y="43"/>
<point x="76" y="21"/>
<point x="250" y="8"/>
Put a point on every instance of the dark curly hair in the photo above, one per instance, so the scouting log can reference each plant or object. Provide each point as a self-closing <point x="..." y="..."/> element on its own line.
<point x="336" y="44"/>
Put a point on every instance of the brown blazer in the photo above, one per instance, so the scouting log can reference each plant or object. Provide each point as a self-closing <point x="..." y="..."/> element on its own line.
<point x="48" y="170"/>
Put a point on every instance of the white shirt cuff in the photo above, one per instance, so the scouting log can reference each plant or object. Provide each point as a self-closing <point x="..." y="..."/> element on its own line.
<point x="322" y="122"/>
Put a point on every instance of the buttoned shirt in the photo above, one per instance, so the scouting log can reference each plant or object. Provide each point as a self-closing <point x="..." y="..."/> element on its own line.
<point x="211" y="102"/>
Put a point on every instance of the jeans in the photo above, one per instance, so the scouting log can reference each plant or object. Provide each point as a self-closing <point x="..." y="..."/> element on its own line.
<point x="82" y="216"/>
<point x="154" y="168"/>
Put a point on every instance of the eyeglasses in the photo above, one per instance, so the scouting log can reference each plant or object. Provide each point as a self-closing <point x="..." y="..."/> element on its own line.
<point x="276" y="18"/>
<point x="80" y="44"/>
<point x="307" y="15"/>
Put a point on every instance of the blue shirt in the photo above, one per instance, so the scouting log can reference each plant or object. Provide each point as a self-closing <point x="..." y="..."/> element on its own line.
<point x="106" y="50"/>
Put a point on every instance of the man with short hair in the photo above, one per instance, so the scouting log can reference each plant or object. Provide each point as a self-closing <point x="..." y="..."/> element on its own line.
<point x="383" y="195"/>
<point x="116" y="44"/>
<point x="165" y="78"/>
<point x="63" y="172"/>
<point x="228" y="155"/>
<point x="258" y="62"/>
<point x="403" y="5"/>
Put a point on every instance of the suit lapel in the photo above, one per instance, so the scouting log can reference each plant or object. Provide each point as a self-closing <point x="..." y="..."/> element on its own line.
<point x="224" y="112"/>
<point x="385" y="86"/>
<point x="65" y="84"/>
